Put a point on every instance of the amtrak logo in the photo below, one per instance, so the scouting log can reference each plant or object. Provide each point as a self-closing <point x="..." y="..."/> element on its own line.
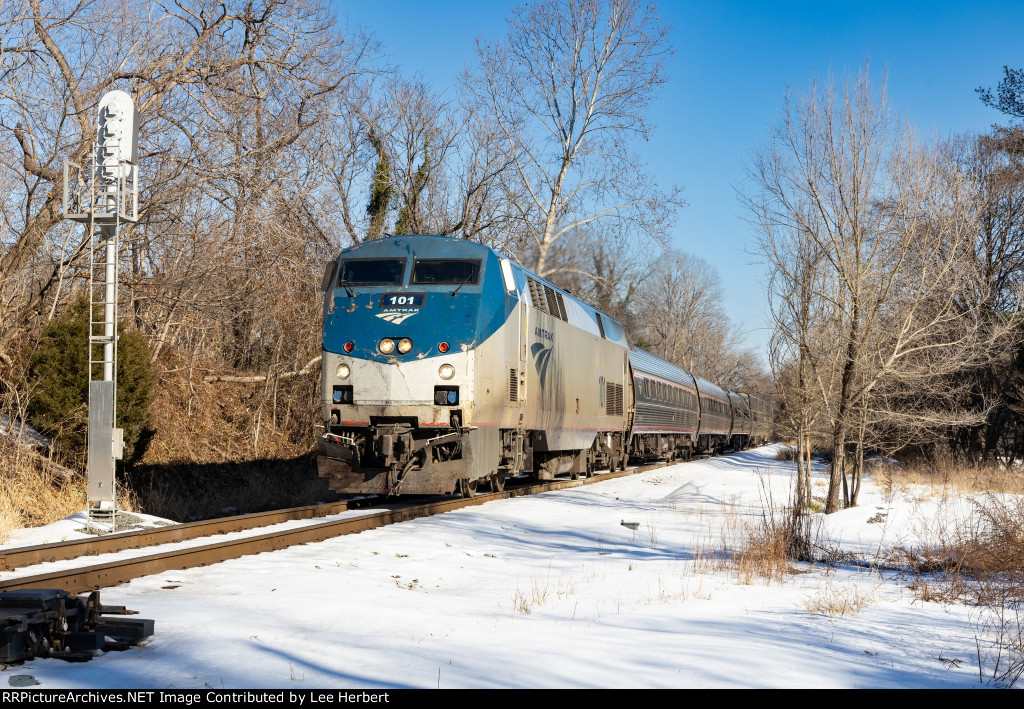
<point x="397" y="318"/>
<point x="541" y="359"/>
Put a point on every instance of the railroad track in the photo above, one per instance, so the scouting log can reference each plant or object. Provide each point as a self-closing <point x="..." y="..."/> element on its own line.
<point x="17" y="558"/>
<point x="89" y="578"/>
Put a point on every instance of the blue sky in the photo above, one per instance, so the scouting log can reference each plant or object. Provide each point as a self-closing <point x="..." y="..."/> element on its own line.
<point x="728" y="77"/>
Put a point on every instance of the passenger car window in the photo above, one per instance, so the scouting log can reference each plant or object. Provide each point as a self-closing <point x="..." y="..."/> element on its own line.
<point x="372" y="272"/>
<point x="445" y="272"/>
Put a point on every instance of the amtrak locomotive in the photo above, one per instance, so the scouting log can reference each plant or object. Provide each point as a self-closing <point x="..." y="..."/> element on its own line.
<point x="447" y="366"/>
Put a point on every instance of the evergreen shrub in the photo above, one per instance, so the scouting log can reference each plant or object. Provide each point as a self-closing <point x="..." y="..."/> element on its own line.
<point x="59" y="385"/>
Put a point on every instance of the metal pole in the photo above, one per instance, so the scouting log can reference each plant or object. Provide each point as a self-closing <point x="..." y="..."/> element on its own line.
<point x="100" y="199"/>
<point x="109" y="232"/>
<point x="103" y="434"/>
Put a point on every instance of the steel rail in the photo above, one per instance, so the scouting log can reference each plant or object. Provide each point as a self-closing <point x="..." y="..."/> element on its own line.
<point x="90" y="578"/>
<point x="18" y="557"/>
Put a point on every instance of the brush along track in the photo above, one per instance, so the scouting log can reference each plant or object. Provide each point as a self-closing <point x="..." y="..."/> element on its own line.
<point x="89" y="578"/>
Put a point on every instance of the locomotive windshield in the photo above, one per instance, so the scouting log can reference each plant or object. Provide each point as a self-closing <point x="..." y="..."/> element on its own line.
<point x="372" y="272"/>
<point x="445" y="272"/>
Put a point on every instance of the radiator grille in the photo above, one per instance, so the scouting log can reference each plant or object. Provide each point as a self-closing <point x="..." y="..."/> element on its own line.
<point x="549" y="300"/>
<point x="613" y="399"/>
<point x="536" y="295"/>
<point x="552" y="303"/>
<point x="513" y="385"/>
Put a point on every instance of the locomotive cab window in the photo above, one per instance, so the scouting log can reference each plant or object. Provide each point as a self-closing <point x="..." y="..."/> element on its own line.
<point x="450" y="272"/>
<point x="372" y="272"/>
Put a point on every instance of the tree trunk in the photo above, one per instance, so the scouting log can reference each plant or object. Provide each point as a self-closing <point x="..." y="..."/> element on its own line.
<point x="837" y="476"/>
<point x="801" y="495"/>
<point x="807" y="470"/>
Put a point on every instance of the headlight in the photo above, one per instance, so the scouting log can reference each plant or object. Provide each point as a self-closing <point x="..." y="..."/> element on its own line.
<point x="343" y="371"/>
<point x="446" y="371"/>
<point x="404" y="345"/>
<point x="386" y="346"/>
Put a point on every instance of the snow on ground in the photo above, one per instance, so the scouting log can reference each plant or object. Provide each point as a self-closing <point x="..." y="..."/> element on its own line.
<point x="607" y="585"/>
<point x="22" y="433"/>
<point x="73" y="528"/>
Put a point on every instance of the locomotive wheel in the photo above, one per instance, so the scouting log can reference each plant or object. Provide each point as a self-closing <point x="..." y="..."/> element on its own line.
<point x="497" y="482"/>
<point x="467" y="488"/>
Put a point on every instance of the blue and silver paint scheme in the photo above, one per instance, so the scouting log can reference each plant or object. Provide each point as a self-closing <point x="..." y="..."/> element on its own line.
<point x="529" y="386"/>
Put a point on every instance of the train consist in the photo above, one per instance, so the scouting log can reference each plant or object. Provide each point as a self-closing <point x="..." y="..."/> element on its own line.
<point x="447" y="367"/>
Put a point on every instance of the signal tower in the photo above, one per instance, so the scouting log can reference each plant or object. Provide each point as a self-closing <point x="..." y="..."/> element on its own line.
<point x="101" y="193"/>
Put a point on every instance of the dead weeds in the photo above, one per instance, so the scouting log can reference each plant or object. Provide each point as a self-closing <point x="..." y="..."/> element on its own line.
<point x="31" y="495"/>
<point x="975" y="557"/>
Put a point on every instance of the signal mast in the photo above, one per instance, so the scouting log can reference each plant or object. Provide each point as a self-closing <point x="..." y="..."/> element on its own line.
<point x="101" y="193"/>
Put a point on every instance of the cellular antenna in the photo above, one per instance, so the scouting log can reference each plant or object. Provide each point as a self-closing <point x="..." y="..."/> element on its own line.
<point x="102" y="193"/>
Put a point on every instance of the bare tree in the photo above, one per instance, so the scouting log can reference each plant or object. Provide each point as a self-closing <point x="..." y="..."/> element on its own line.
<point x="405" y="160"/>
<point x="679" y="314"/>
<point x="842" y="181"/>
<point x="994" y="167"/>
<point x="798" y="353"/>
<point x="568" y="89"/>
<point x="604" y="268"/>
<point x="486" y="187"/>
<point x="238" y="102"/>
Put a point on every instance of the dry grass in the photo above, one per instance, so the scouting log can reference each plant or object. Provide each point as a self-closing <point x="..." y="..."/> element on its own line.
<point x="975" y="556"/>
<point x="764" y="559"/>
<point x="211" y="422"/>
<point x="520" y="603"/>
<point x="542" y="592"/>
<point x="31" y="495"/>
<point x="818" y="452"/>
<point x="837" y="601"/>
<point x="781" y="535"/>
<point x="709" y="554"/>
<point x="760" y="550"/>
<point x="9" y="520"/>
<point x="946" y="474"/>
